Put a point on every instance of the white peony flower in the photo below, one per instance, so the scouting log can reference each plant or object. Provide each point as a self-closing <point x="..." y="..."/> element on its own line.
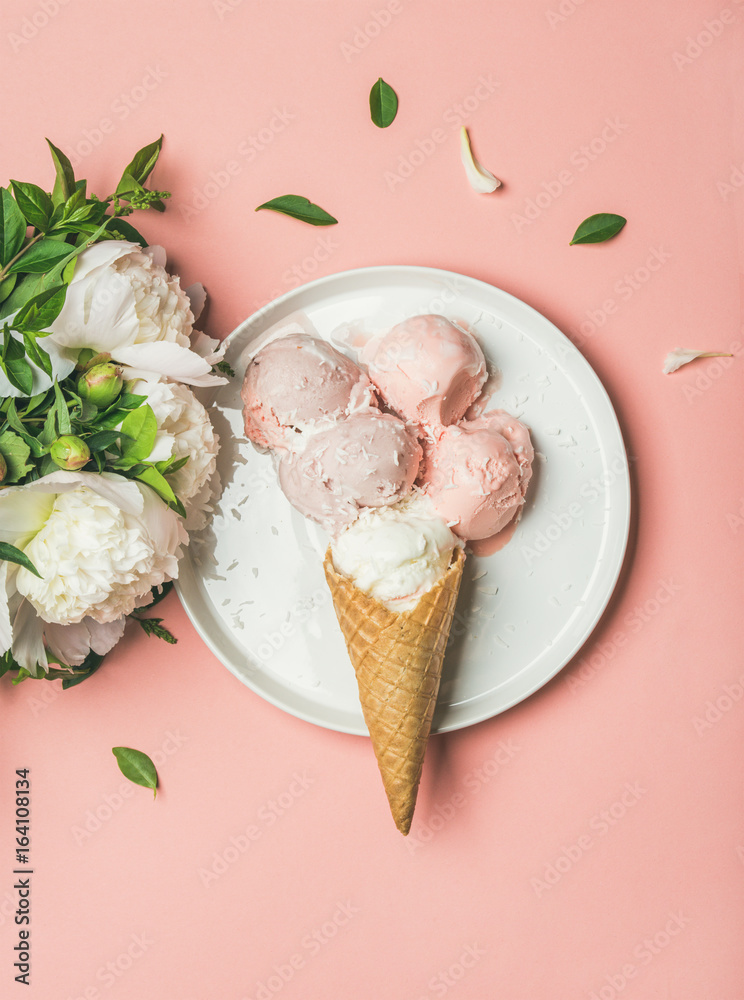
<point x="122" y="301"/>
<point x="184" y="431"/>
<point x="100" y="543"/>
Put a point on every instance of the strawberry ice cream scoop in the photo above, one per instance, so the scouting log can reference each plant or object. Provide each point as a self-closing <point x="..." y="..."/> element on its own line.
<point x="477" y="472"/>
<point x="295" y="385"/>
<point x="368" y="460"/>
<point x="428" y="369"/>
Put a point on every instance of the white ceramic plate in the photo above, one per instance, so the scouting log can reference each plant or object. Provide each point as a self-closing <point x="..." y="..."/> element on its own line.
<point x="253" y="583"/>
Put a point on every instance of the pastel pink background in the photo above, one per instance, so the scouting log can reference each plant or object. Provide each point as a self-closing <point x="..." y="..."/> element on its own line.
<point x="399" y="916"/>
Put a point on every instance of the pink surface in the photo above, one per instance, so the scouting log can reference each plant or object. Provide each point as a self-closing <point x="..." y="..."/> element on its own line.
<point x="590" y="842"/>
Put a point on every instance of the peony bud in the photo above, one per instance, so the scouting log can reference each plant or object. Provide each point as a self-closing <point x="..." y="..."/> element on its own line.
<point x="101" y="384"/>
<point x="3" y="468"/>
<point x="70" y="452"/>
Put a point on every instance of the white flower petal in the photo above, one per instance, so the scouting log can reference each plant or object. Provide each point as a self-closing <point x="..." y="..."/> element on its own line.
<point x="98" y="313"/>
<point x="197" y="296"/>
<point x="105" y="635"/>
<point x="6" y="629"/>
<point x="116" y="489"/>
<point x="157" y="255"/>
<point x="681" y="356"/>
<point x="120" y="295"/>
<point x="102" y="254"/>
<point x="72" y="643"/>
<point x="22" y="513"/>
<point x="481" y="180"/>
<point x="209" y="348"/>
<point x="28" y="640"/>
<point x="169" y="360"/>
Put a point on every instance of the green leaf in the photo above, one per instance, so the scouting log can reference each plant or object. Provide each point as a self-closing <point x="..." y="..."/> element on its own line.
<point x="128" y="232"/>
<point x="140" y="427"/>
<point x="16" y="453"/>
<point x="137" y="767"/>
<point x="61" y="410"/>
<point x="598" y="228"/>
<point x="225" y="368"/>
<point x="73" y="203"/>
<point x="383" y="104"/>
<point x="87" y="668"/>
<point x="153" y="626"/>
<point x="101" y="440"/>
<point x="7" y="285"/>
<point x="129" y="401"/>
<point x="300" y="208"/>
<point x="7" y="663"/>
<point x="84" y="243"/>
<point x="27" y="286"/>
<point x="12" y="227"/>
<point x="35" y="204"/>
<point x="37" y="447"/>
<point x="42" y="309"/>
<point x="11" y="554"/>
<point x="13" y="362"/>
<point x="159" y="483"/>
<point x="37" y="355"/>
<point x="37" y="402"/>
<point x="49" y="434"/>
<point x="64" y="184"/>
<point x="171" y="465"/>
<point x="40" y="257"/>
<point x="158" y="594"/>
<point x="144" y="161"/>
<point x="128" y="185"/>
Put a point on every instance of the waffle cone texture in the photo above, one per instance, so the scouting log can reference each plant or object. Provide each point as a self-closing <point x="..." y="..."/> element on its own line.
<point x="397" y="657"/>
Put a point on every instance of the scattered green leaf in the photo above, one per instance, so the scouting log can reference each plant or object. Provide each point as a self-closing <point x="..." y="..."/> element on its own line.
<point x="137" y="767"/>
<point x="297" y="207"/>
<point x="598" y="228"/>
<point x="383" y="104"/>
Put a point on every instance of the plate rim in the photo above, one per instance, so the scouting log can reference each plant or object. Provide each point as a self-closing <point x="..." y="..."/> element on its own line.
<point x="623" y="529"/>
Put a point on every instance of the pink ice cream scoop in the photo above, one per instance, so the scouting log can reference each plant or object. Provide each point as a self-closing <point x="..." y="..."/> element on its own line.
<point x="476" y="474"/>
<point x="297" y="383"/>
<point x="428" y="369"/>
<point x="368" y="460"/>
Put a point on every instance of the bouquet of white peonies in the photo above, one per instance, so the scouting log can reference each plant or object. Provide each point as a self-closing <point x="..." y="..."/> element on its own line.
<point x="107" y="458"/>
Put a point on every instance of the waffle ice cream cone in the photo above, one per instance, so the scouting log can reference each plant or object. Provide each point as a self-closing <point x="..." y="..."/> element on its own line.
<point x="397" y="657"/>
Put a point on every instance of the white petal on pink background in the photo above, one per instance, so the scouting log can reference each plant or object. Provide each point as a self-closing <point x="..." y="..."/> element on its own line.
<point x="681" y="356"/>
